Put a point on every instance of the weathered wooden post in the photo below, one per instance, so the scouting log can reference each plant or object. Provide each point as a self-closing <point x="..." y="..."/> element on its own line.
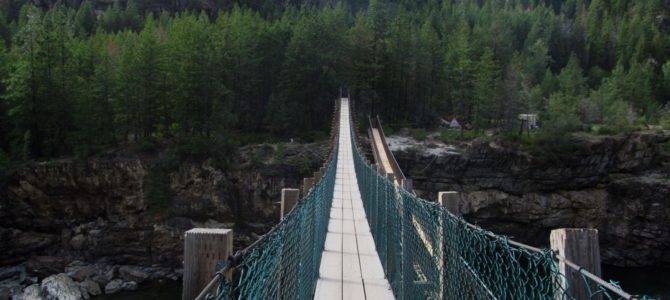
<point x="317" y="177"/>
<point x="289" y="197"/>
<point x="580" y="246"/>
<point x="407" y="184"/>
<point x="307" y="184"/>
<point x="451" y="200"/>
<point x="204" y="248"/>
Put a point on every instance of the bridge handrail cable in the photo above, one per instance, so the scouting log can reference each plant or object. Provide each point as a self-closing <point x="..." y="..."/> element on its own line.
<point x="517" y="253"/>
<point x="284" y="262"/>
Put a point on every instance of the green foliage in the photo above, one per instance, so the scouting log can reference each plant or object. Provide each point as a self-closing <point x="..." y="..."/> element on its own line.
<point x="419" y="134"/>
<point x="280" y="153"/>
<point x="302" y="165"/>
<point x="197" y="149"/>
<point x="545" y="148"/>
<point x="259" y="71"/>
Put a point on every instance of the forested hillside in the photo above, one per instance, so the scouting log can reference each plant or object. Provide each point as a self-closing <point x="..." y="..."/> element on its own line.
<point x="82" y="77"/>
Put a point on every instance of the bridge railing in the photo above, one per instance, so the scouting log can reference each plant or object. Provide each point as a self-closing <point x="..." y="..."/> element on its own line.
<point x="429" y="253"/>
<point x="283" y="263"/>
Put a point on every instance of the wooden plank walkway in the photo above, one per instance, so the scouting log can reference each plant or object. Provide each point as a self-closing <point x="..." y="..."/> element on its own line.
<point x="386" y="163"/>
<point x="350" y="266"/>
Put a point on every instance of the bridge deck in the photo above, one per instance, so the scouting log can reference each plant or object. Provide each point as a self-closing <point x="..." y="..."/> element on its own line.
<point x="350" y="266"/>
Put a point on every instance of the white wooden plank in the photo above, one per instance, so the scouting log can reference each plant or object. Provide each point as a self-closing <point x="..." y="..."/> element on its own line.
<point x="353" y="289"/>
<point x="331" y="265"/>
<point x="378" y="290"/>
<point x="351" y="268"/>
<point x="328" y="289"/>
<point x="333" y="242"/>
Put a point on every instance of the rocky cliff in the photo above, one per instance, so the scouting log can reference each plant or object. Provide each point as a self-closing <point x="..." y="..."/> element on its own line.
<point x="128" y="211"/>
<point x="619" y="185"/>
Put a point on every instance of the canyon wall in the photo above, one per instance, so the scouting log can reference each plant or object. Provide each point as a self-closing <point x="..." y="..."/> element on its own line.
<point x="619" y="185"/>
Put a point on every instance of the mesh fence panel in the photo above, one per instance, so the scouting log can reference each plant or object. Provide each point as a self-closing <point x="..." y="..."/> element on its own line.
<point x="428" y="253"/>
<point x="285" y="263"/>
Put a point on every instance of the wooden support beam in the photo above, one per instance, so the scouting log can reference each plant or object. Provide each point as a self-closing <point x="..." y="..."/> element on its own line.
<point x="580" y="246"/>
<point x="289" y="197"/>
<point x="307" y="184"/>
<point x="204" y="248"/>
<point x="407" y="184"/>
<point x="451" y="200"/>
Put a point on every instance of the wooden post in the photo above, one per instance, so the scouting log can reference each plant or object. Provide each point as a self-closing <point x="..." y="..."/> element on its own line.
<point x="408" y="185"/>
<point x="204" y="248"/>
<point x="317" y="177"/>
<point x="451" y="200"/>
<point x="307" y="184"/>
<point x="580" y="246"/>
<point x="444" y="201"/>
<point x="289" y="197"/>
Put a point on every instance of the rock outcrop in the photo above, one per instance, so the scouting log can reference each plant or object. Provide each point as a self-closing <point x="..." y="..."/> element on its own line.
<point x="103" y="211"/>
<point x="60" y="287"/>
<point x="618" y="185"/>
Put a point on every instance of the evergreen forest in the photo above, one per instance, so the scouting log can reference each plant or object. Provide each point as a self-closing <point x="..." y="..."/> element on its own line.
<point x="77" y="78"/>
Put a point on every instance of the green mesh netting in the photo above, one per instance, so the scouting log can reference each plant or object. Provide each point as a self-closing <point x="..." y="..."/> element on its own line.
<point x="426" y="252"/>
<point x="285" y="263"/>
<point x="429" y="253"/>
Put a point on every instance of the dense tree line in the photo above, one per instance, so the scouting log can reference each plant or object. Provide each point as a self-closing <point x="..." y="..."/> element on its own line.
<point x="80" y="78"/>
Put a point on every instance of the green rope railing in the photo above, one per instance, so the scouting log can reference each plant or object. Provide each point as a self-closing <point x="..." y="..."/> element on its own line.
<point x="429" y="253"/>
<point x="426" y="252"/>
<point x="284" y="263"/>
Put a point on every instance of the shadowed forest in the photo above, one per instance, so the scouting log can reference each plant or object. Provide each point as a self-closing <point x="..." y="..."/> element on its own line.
<point x="78" y="78"/>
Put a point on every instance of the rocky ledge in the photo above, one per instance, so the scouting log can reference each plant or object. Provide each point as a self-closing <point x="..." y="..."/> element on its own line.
<point x="131" y="211"/>
<point x="79" y="281"/>
<point x="617" y="184"/>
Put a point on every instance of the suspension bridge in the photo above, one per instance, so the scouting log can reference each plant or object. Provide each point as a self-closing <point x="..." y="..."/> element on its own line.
<point x="359" y="232"/>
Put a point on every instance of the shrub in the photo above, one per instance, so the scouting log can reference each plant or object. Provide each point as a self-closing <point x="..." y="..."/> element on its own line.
<point x="419" y="134"/>
<point x="279" y="153"/>
<point x="196" y="149"/>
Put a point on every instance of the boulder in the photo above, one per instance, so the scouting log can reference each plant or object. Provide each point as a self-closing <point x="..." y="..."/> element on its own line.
<point x="91" y="287"/>
<point x="32" y="292"/>
<point x="78" y="242"/>
<point x="60" y="287"/>
<point x="100" y="279"/>
<point x="113" y="286"/>
<point x="81" y="273"/>
<point x="111" y="273"/>
<point x="131" y="273"/>
<point x="129" y="286"/>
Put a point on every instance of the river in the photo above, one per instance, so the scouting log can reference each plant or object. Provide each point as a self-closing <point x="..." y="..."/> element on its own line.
<point x="156" y="291"/>
<point x="653" y="282"/>
<point x="650" y="281"/>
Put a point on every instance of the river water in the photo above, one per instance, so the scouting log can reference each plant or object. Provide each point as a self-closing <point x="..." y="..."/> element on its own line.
<point x="156" y="291"/>
<point x="653" y="282"/>
<point x="650" y="281"/>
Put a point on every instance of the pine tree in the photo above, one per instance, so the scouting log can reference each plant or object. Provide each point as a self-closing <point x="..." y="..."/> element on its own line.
<point x="486" y="78"/>
<point x="85" y="19"/>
